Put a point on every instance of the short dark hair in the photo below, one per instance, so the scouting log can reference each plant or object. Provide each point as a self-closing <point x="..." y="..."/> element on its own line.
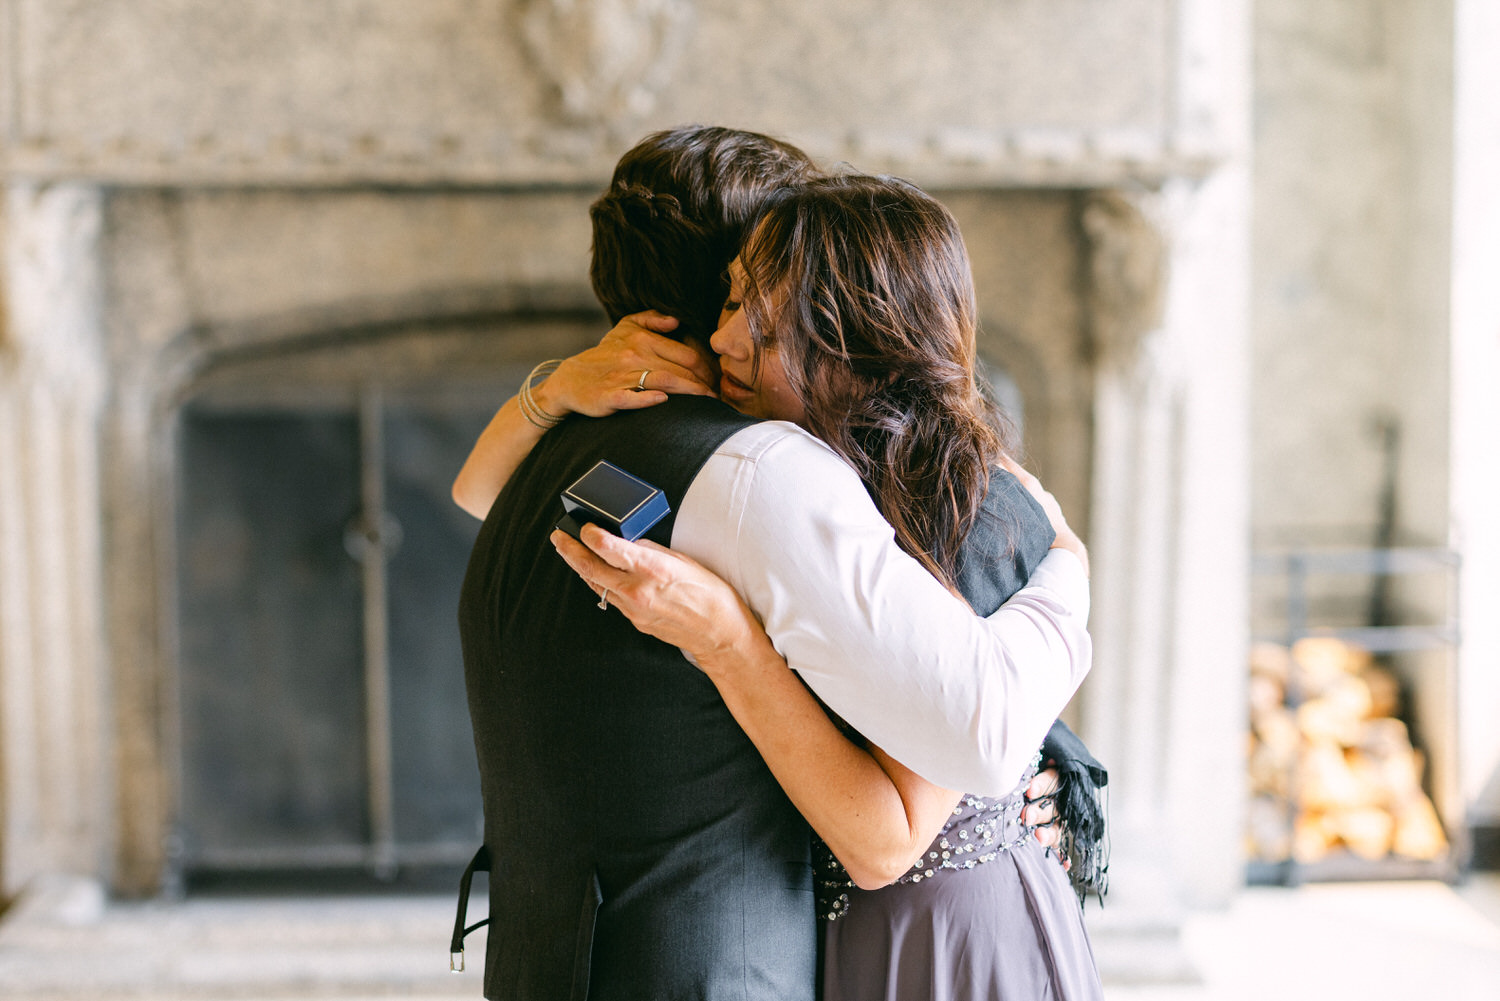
<point x="674" y="215"/>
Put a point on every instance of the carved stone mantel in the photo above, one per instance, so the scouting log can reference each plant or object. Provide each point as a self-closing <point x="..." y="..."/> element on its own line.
<point x="487" y="92"/>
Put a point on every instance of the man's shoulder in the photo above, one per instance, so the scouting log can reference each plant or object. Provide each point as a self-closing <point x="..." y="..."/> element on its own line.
<point x="743" y="437"/>
<point x="677" y="414"/>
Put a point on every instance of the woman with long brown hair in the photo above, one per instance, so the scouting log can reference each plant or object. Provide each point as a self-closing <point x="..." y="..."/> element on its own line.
<point x="851" y="313"/>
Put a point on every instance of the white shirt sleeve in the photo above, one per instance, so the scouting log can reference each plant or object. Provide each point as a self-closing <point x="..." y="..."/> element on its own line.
<point x="962" y="700"/>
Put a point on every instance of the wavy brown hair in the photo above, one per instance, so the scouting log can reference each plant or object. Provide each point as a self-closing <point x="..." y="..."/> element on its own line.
<point x="674" y="215"/>
<point x="863" y="285"/>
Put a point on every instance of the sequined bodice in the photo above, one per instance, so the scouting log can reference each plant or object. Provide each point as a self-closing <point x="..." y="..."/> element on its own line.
<point x="979" y="830"/>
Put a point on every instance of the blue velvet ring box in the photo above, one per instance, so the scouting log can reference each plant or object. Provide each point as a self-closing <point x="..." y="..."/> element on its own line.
<point x="614" y="500"/>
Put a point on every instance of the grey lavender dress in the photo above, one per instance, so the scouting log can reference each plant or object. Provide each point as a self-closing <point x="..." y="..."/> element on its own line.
<point x="986" y="914"/>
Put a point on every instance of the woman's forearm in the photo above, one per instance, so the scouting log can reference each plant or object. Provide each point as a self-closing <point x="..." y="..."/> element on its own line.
<point x="506" y="441"/>
<point x="876" y="816"/>
<point x="500" y="449"/>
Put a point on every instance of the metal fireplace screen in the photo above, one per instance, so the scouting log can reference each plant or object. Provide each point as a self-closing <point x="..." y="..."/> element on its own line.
<point x="321" y="690"/>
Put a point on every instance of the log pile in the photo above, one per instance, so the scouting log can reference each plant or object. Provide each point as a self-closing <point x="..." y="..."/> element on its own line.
<point x="1331" y="766"/>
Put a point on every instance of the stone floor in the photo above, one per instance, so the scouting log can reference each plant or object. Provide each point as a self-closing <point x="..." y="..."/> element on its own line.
<point x="1338" y="941"/>
<point x="1372" y="941"/>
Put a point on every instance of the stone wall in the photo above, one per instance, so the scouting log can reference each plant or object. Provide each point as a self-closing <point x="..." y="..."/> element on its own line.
<point x="1339" y="231"/>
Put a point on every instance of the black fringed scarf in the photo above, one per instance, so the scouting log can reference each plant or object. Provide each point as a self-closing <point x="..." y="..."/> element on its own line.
<point x="1081" y="806"/>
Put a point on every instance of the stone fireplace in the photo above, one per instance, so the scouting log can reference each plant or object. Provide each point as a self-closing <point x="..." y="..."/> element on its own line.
<point x="254" y="279"/>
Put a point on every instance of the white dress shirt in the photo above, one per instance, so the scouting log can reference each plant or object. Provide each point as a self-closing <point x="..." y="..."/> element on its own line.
<point x="964" y="701"/>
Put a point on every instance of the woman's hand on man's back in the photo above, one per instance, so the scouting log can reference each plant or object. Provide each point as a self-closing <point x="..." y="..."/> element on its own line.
<point x="1066" y="537"/>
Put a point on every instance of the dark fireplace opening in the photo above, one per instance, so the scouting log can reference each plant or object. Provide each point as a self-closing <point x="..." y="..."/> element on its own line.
<point x="323" y="731"/>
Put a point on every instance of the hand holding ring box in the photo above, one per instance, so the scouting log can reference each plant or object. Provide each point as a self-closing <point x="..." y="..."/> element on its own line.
<point x="614" y="500"/>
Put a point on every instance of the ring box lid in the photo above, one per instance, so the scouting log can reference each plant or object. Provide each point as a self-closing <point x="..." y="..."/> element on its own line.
<point x="614" y="500"/>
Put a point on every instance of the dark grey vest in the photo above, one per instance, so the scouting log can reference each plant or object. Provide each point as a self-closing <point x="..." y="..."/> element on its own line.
<point x="639" y="847"/>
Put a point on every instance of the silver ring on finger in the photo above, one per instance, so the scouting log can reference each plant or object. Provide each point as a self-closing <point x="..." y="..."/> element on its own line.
<point x="604" y="598"/>
<point x="640" y="386"/>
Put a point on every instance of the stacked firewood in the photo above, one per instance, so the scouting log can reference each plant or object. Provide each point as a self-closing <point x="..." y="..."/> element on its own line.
<point x="1331" y="765"/>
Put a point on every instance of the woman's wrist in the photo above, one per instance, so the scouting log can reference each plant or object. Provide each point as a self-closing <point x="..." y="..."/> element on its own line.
<point x="546" y="396"/>
<point x="735" y="656"/>
<point x="550" y="393"/>
<point x="1068" y="540"/>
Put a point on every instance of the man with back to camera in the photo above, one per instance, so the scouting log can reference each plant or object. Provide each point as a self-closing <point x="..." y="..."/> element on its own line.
<point x="639" y="847"/>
